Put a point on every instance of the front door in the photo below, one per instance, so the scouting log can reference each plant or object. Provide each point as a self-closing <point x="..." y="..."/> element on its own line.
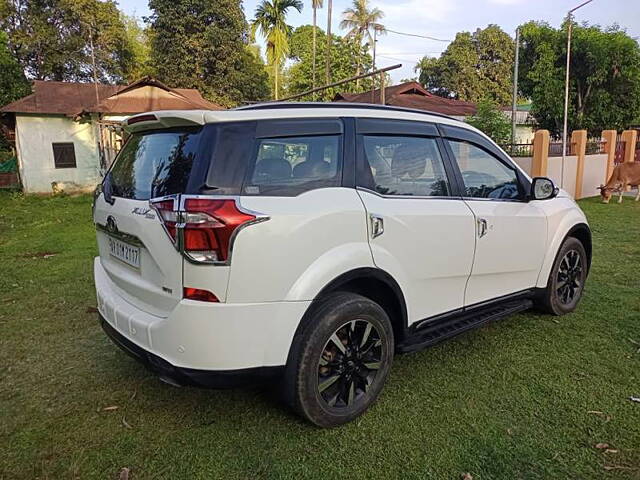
<point x="421" y="232"/>
<point x="511" y="233"/>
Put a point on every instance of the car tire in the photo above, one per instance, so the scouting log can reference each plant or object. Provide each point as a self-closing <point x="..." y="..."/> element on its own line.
<point x="566" y="280"/>
<point x="340" y="360"/>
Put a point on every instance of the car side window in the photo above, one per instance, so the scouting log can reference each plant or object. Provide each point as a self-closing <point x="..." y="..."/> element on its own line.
<point x="484" y="176"/>
<point x="292" y="165"/>
<point x="402" y="165"/>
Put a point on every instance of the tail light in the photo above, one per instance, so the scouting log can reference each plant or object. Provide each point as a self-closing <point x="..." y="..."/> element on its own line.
<point x="205" y="226"/>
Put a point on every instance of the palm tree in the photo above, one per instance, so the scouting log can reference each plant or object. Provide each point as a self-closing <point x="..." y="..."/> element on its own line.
<point x="315" y="4"/>
<point x="328" y="54"/>
<point x="360" y="22"/>
<point x="270" y="20"/>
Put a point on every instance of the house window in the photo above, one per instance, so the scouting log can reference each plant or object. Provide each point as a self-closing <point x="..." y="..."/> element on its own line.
<point x="64" y="155"/>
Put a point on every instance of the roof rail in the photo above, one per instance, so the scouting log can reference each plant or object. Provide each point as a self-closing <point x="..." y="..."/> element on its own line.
<point x="368" y="106"/>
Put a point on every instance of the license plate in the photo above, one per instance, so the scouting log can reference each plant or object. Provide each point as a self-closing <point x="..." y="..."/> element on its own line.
<point x="124" y="252"/>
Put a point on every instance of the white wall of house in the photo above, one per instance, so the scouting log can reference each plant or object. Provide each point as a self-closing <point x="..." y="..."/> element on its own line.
<point x="35" y="135"/>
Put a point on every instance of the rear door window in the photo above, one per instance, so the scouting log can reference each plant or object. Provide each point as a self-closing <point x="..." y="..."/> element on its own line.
<point x="292" y="165"/>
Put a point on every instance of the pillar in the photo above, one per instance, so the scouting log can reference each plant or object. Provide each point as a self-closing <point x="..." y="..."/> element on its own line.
<point x="629" y="137"/>
<point x="579" y="148"/>
<point x="540" y="153"/>
<point x="609" y="137"/>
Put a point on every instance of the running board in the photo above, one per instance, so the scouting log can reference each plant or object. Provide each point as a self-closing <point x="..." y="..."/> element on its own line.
<point x="437" y="330"/>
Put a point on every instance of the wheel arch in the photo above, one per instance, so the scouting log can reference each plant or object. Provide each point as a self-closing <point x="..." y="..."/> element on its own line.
<point x="582" y="232"/>
<point x="370" y="282"/>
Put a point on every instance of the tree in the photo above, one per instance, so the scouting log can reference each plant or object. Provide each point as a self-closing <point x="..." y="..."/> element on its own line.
<point x="327" y="63"/>
<point x="315" y="4"/>
<point x="604" y="86"/>
<point x="490" y="120"/>
<point x="203" y="44"/>
<point x="473" y="66"/>
<point x="67" y="40"/>
<point x="344" y="58"/>
<point x="13" y="84"/>
<point x="138" y="63"/>
<point x="271" y="20"/>
<point x="360" y="21"/>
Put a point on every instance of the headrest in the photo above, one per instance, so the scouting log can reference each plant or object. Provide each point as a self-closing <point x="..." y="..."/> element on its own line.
<point x="271" y="169"/>
<point x="408" y="160"/>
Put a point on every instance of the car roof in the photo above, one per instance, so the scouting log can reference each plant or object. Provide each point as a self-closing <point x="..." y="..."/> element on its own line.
<point x="284" y="110"/>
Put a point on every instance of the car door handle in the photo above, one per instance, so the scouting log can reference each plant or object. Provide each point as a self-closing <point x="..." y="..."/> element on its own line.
<point x="482" y="227"/>
<point x="377" y="225"/>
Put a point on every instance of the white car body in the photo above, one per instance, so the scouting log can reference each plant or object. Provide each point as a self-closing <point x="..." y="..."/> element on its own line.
<point x="430" y="250"/>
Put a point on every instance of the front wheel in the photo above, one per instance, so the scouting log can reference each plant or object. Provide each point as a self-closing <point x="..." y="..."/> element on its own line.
<point x="567" y="279"/>
<point x="341" y="360"/>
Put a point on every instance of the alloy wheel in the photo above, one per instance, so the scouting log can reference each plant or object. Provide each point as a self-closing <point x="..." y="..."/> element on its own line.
<point x="349" y="363"/>
<point x="569" y="278"/>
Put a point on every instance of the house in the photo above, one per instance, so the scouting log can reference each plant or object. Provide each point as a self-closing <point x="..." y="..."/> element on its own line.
<point x="525" y="123"/>
<point x="67" y="134"/>
<point x="412" y="95"/>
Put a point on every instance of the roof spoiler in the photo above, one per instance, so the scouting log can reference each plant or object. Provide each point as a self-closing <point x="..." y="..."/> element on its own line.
<point x="163" y="119"/>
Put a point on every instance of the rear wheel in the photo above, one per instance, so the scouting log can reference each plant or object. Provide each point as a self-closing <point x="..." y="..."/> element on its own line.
<point x="341" y="360"/>
<point x="567" y="279"/>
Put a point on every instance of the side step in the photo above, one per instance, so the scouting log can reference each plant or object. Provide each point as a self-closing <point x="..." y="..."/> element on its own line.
<point x="432" y="332"/>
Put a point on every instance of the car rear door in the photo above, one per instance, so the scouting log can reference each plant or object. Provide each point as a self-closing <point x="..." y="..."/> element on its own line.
<point x="136" y="251"/>
<point x="511" y="232"/>
<point x="421" y="231"/>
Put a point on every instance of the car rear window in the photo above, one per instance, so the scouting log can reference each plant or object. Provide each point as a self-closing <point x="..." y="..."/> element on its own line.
<point x="155" y="164"/>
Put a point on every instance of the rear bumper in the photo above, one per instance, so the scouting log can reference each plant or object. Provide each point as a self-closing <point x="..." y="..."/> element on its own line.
<point x="189" y="376"/>
<point x="201" y="336"/>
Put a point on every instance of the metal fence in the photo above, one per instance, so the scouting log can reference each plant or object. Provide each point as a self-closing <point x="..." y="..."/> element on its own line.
<point x="518" y="149"/>
<point x="555" y="149"/>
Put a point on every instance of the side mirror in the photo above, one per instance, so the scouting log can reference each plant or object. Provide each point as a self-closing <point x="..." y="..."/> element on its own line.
<point x="543" y="188"/>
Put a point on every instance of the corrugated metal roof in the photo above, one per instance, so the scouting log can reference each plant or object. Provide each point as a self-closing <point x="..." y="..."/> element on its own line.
<point x="72" y="98"/>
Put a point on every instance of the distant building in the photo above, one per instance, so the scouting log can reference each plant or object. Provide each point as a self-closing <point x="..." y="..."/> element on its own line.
<point x="525" y="123"/>
<point x="67" y="134"/>
<point x="412" y="95"/>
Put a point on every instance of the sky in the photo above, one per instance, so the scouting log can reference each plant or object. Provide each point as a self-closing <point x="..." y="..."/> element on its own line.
<point x="442" y="19"/>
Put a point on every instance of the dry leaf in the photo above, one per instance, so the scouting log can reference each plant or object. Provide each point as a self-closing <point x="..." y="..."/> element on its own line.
<point x="601" y="446"/>
<point x="635" y="399"/>
<point x="610" y="450"/>
<point x="110" y="408"/>
<point x="125" y="423"/>
<point x="467" y="476"/>
<point x="124" y="474"/>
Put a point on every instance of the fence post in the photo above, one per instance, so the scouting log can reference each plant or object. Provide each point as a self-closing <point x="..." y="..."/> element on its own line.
<point x="610" y="138"/>
<point x="540" y="153"/>
<point x="579" y="148"/>
<point x="629" y="137"/>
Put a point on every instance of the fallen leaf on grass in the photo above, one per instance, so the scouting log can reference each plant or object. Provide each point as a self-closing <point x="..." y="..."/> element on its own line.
<point x="601" y="446"/>
<point x="124" y="474"/>
<point x="635" y="399"/>
<point x="467" y="476"/>
<point x="600" y="414"/>
<point x="125" y="423"/>
<point x="39" y="255"/>
<point x="91" y="310"/>
<point x="110" y="408"/>
<point x="618" y="467"/>
<point x="610" y="450"/>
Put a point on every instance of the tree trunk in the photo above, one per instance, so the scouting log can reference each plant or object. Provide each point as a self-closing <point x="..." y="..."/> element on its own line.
<point x="328" y="53"/>
<point x="313" y="55"/>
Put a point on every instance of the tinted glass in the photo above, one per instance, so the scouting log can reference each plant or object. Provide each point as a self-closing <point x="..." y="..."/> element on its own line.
<point x="484" y="176"/>
<point x="295" y="164"/>
<point x="404" y="166"/>
<point x="154" y="164"/>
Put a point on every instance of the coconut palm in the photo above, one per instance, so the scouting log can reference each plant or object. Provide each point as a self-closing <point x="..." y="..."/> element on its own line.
<point x="315" y="4"/>
<point x="360" y="21"/>
<point x="271" y="20"/>
<point x="328" y="53"/>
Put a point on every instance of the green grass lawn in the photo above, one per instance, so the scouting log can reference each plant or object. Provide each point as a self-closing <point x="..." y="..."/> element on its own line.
<point x="528" y="397"/>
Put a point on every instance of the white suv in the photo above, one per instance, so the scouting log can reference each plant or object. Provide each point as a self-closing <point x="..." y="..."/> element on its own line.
<point x="306" y="243"/>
